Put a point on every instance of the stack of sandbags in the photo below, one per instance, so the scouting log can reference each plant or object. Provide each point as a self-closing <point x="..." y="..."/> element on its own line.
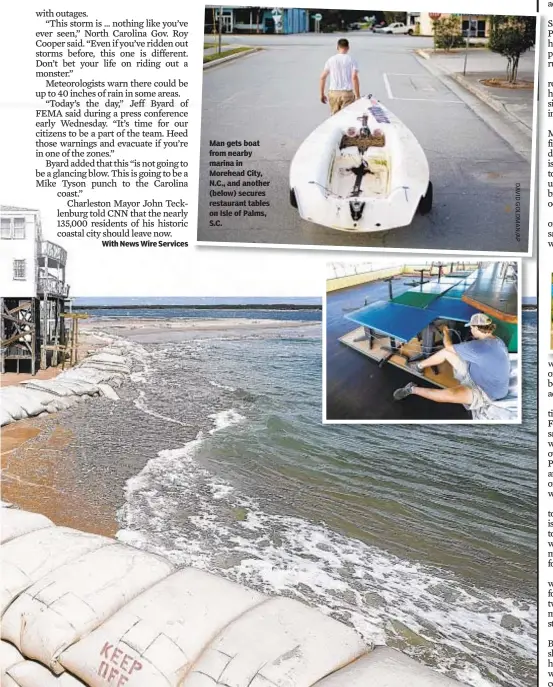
<point x="79" y="609"/>
<point x="157" y="637"/>
<point x="96" y="374"/>
<point x="73" y="599"/>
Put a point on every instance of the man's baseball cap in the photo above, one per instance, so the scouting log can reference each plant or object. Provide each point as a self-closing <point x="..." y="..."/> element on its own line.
<point x="479" y="320"/>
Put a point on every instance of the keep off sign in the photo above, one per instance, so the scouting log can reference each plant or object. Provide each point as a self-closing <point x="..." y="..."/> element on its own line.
<point x="117" y="666"/>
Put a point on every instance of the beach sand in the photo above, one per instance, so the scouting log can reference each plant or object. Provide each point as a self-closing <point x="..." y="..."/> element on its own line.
<point x="36" y="465"/>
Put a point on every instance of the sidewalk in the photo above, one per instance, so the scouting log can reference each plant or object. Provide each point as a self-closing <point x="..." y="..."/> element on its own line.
<point x="516" y="103"/>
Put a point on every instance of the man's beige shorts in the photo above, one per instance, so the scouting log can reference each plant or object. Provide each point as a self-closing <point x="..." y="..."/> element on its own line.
<point x="340" y="99"/>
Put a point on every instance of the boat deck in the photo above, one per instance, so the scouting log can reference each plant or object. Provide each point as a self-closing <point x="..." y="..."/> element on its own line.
<point x="379" y="352"/>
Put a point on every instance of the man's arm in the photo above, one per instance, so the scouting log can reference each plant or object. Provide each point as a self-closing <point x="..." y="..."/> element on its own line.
<point x="447" y="339"/>
<point x="324" y="76"/>
<point x="355" y="80"/>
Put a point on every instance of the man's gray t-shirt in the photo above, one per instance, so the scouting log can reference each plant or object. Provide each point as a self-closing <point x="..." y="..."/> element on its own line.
<point x="341" y="68"/>
<point x="488" y="365"/>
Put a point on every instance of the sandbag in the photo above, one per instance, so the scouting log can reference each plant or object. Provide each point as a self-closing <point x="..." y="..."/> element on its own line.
<point x="72" y="600"/>
<point x="11" y="405"/>
<point x="28" y="558"/>
<point x="5" y="417"/>
<point x="385" y="667"/>
<point x="32" y="674"/>
<point x="14" y="523"/>
<point x="52" y="386"/>
<point x="108" y="392"/>
<point x="156" y="637"/>
<point x="279" y="642"/>
<point x="9" y="656"/>
<point x="31" y="404"/>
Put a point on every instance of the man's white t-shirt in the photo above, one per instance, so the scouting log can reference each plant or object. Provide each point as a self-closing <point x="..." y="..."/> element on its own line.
<point x="340" y="68"/>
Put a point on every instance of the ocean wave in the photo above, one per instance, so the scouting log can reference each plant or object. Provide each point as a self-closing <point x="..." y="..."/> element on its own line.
<point x="180" y="509"/>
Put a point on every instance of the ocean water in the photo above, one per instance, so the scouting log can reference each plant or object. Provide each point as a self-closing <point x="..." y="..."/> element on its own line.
<point x="308" y="315"/>
<point x="423" y="538"/>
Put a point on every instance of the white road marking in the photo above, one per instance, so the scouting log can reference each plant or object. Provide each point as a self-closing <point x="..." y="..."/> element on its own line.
<point x="388" y="87"/>
<point x="391" y="96"/>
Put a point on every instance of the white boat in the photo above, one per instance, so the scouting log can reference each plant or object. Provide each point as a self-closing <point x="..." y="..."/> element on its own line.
<point x="361" y="170"/>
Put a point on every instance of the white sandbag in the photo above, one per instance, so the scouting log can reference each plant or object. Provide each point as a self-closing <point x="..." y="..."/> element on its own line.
<point x="5" y="417"/>
<point x="280" y="642"/>
<point x="385" y="667"/>
<point x="30" y="403"/>
<point x="14" y="523"/>
<point x="74" y="599"/>
<point x="77" y="386"/>
<point x="11" y="405"/>
<point x="108" y="392"/>
<point x="9" y="656"/>
<point x="157" y="636"/>
<point x="28" y="558"/>
<point x="60" y="403"/>
<point x="32" y="674"/>
<point x="52" y="386"/>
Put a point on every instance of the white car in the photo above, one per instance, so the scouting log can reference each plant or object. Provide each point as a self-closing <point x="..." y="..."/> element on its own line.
<point x="396" y="27"/>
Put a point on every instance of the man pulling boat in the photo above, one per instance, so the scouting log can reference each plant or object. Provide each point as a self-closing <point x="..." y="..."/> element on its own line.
<point x="343" y="88"/>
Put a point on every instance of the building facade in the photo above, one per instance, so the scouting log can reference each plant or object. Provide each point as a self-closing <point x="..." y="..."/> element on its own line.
<point x="272" y="20"/>
<point x="33" y="289"/>
<point x="478" y="25"/>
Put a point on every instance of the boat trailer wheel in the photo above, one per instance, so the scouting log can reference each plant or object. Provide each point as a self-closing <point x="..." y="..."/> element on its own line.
<point x="293" y="201"/>
<point x="425" y="203"/>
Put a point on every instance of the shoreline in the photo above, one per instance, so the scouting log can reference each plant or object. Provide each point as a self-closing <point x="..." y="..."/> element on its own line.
<point x="36" y="461"/>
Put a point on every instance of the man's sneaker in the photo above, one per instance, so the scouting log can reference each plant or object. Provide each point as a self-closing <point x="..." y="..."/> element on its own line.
<point x="407" y="390"/>
<point x="416" y="367"/>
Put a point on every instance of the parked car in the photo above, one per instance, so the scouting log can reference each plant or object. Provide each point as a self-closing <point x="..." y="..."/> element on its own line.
<point x="396" y="27"/>
<point x="355" y="26"/>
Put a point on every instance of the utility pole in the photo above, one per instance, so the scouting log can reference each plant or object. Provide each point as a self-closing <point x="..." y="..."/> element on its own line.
<point x="220" y="28"/>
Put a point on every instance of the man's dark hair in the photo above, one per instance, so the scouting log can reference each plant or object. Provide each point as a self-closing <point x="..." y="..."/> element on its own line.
<point x="343" y="43"/>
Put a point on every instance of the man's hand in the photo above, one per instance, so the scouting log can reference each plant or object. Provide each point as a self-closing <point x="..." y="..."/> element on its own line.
<point x="324" y="99"/>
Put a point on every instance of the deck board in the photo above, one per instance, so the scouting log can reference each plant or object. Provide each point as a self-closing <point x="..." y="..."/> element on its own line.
<point x="356" y="340"/>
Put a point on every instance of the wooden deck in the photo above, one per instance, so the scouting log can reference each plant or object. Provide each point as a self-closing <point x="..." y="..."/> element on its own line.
<point x="356" y="340"/>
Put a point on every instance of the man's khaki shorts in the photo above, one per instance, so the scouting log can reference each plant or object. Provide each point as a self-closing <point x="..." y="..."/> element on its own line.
<point x="340" y="99"/>
<point x="480" y="399"/>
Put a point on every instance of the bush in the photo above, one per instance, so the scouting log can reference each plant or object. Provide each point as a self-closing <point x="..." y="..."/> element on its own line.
<point x="448" y="34"/>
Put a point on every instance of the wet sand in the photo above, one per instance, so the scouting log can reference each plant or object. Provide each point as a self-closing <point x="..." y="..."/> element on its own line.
<point x="182" y="329"/>
<point x="37" y="466"/>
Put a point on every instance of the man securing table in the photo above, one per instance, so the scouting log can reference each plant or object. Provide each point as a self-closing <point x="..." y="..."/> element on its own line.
<point x="343" y="87"/>
<point x="481" y="367"/>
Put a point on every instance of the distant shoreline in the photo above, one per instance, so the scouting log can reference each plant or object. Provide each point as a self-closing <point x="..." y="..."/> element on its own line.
<point x="201" y="306"/>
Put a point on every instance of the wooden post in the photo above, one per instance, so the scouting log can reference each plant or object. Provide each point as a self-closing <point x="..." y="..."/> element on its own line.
<point x="76" y="341"/>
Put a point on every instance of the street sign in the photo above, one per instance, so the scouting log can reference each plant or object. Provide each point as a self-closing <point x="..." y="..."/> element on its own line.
<point x="318" y="16"/>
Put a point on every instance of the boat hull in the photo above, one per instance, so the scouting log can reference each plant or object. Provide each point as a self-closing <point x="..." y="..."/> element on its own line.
<point x="352" y="189"/>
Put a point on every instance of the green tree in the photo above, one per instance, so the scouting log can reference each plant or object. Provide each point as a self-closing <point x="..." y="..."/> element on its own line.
<point x="511" y="37"/>
<point x="392" y="17"/>
<point x="448" y="33"/>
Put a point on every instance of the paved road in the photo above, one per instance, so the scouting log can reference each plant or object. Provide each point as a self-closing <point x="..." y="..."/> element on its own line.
<point x="273" y="96"/>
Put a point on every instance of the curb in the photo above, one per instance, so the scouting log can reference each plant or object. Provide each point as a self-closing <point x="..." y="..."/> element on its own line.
<point x="421" y="53"/>
<point x="490" y="100"/>
<point x="236" y="56"/>
<point x="509" y="127"/>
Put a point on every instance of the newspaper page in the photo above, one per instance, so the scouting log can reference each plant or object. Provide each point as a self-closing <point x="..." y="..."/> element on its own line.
<point x="271" y="351"/>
